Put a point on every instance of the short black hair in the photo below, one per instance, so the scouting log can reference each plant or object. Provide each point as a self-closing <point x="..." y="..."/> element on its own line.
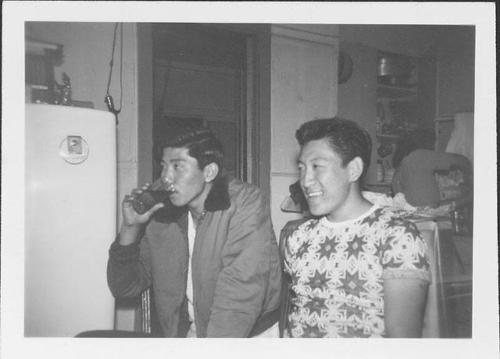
<point x="345" y="137"/>
<point x="200" y="142"/>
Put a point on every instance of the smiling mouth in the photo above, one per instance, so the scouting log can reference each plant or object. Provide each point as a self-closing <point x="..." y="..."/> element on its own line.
<point x="313" y="194"/>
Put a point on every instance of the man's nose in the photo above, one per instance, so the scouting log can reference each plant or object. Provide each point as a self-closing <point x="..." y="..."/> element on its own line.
<point x="307" y="178"/>
<point x="166" y="175"/>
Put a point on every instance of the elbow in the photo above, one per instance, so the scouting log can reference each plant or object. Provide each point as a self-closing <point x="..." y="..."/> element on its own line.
<point x="123" y="285"/>
<point x="406" y="325"/>
<point x="124" y="291"/>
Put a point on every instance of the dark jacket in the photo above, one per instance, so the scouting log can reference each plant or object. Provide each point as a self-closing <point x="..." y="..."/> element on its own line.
<point x="235" y="265"/>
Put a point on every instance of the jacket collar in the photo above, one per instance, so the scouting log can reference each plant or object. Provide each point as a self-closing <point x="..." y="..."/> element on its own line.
<point x="217" y="200"/>
<point x="218" y="197"/>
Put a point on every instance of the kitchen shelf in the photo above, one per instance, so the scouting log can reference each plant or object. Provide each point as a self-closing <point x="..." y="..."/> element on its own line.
<point x="39" y="47"/>
<point x="388" y="137"/>
<point x="396" y="92"/>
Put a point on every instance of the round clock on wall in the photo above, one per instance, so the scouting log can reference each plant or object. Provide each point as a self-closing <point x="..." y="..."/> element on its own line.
<point x="344" y="67"/>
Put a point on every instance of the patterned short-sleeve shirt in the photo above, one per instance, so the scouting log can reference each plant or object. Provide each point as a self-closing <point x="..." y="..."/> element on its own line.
<point x="337" y="272"/>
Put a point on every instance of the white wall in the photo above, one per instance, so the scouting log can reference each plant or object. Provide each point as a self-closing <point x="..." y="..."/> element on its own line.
<point x="303" y="87"/>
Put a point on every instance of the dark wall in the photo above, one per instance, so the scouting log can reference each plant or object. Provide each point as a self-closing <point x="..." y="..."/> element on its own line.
<point x="455" y="70"/>
<point x="200" y="44"/>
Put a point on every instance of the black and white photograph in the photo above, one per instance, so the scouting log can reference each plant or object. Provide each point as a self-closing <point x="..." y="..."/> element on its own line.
<point x="178" y="176"/>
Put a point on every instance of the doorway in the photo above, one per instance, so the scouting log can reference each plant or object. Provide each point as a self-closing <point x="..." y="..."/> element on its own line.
<point x="200" y="78"/>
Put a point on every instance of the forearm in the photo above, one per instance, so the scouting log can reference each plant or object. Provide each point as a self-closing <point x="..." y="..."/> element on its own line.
<point x="129" y="234"/>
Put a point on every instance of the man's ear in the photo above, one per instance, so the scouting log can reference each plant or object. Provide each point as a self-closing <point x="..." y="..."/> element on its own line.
<point x="210" y="171"/>
<point x="355" y="167"/>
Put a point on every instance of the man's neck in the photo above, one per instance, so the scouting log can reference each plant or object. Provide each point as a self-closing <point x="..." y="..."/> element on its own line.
<point x="197" y="216"/>
<point x="354" y="206"/>
<point x="197" y="207"/>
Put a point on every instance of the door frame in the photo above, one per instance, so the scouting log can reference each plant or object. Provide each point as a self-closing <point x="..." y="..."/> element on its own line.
<point x="256" y="122"/>
<point x="258" y="103"/>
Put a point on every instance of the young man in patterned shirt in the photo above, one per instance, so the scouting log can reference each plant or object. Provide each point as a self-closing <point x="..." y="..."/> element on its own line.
<point x="354" y="269"/>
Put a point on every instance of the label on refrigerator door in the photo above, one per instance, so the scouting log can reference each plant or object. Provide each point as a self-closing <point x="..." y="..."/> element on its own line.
<point x="74" y="149"/>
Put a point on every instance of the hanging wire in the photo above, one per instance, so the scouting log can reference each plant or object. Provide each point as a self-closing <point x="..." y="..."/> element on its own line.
<point x="121" y="66"/>
<point x="108" y="98"/>
<point x="112" y="58"/>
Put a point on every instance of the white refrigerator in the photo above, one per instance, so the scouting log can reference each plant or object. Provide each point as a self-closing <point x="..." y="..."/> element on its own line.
<point x="70" y="209"/>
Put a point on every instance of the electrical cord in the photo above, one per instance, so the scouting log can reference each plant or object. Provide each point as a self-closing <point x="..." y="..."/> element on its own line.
<point x="108" y="99"/>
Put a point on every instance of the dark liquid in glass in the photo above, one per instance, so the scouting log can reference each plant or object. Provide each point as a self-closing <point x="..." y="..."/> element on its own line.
<point x="148" y="199"/>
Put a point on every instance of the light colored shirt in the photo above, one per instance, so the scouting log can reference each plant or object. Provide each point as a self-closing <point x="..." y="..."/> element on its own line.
<point x="338" y="270"/>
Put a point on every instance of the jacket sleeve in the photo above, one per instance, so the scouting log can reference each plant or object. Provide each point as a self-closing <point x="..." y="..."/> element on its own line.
<point x="128" y="269"/>
<point x="250" y="269"/>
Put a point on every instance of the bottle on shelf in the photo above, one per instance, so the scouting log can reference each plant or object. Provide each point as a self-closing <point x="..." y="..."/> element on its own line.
<point x="380" y="171"/>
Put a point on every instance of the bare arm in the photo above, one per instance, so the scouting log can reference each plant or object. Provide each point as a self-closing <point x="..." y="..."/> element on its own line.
<point x="404" y="304"/>
<point x="406" y="279"/>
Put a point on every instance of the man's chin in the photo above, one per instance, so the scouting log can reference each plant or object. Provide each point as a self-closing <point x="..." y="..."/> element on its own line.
<point x="316" y="211"/>
<point x="177" y="201"/>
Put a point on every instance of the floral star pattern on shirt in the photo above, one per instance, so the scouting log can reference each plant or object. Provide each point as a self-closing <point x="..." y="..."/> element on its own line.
<point x="337" y="272"/>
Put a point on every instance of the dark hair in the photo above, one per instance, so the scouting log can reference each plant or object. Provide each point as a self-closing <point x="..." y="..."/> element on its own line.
<point x="413" y="140"/>
<point x="345" y="137"/>
<point x="200" y="142"/>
